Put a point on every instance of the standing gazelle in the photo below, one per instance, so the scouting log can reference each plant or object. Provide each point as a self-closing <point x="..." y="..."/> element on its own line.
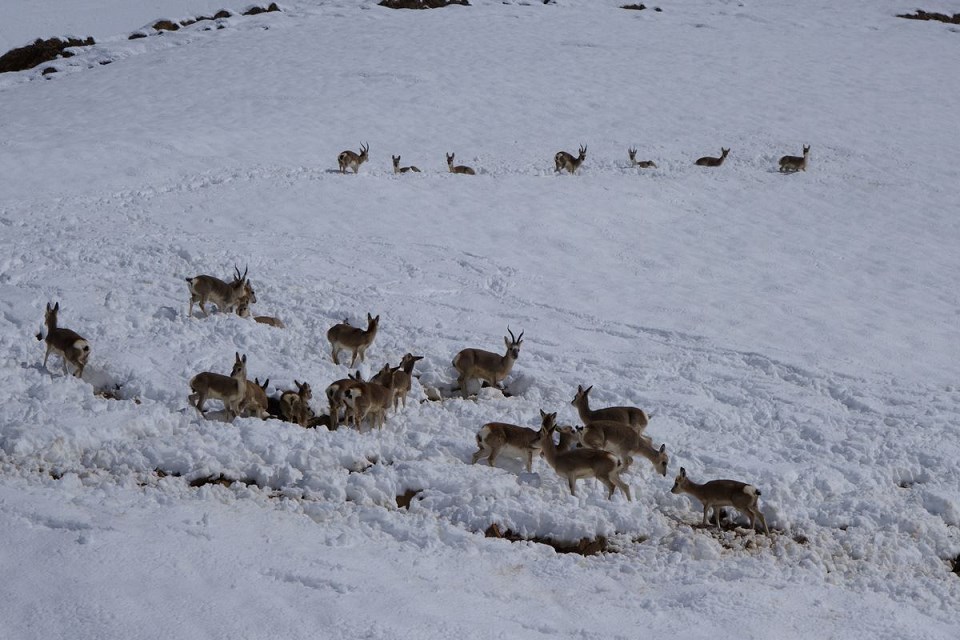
<point x="398" y="169"/>
<point x="710" y="161"/>
<point x="226" y="295"/>
<point x="495" y="438"/>
<point x="636" y="418"/>
<point x="351" y="160"/>
<point x="486" y="365"/>
<point x="624" y="441"/>
<point x="354" y="339"/>
<point x="65" y="343"/>
<point x="795" y="163"/>
<point x="460" y="168"/>
<point x="581" y="463"/>
<point x="564" y="160"/>
<point x="722" y="493"/>
<point x="230" y="390"/>
<point x="643" y="164"/>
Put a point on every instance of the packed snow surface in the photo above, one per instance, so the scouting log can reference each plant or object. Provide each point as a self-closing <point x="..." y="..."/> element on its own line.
<point x="794" y="331"/>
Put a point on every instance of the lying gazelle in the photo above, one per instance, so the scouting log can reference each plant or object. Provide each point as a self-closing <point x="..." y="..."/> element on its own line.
<point x="354" y="339"/>
<point x="368" y="400"/>
<point x="789" y="164"/>
<point x="581" y="463"/>
<point x="243" y="310"/>
<point x="485" y="365"/>
<point x="624" y="441"/>
<point x="336" y="396"/>
<point x="225" y="295"/>
<point x="67" y="344"/>
<point x="398" y="169"/>
<point x="295" y="405"/>
<point x="230" y="390"/>
<point x="710" y="161"/>
<point x="255" y="401"/>
<point x="722" y="493"/>
<point x="460" y="168"/>
<point x="495" y="438"/>
<point x="564" y="160"/>
<point x="350" y="160"/>
<point x="643" y="164"/>
<point x="636" y="418"/>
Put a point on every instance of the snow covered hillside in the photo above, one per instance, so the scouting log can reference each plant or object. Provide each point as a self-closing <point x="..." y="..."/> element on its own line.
<point x="794" y="331"/>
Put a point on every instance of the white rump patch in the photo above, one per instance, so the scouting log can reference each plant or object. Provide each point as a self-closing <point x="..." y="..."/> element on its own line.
<point x="750" y="490"/>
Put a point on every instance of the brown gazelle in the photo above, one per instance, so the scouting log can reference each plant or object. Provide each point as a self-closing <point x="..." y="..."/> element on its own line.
<point x="336" y="396"/>
<point x="255" y="400"/>
<point x="243" y="310"/>
<point x="67" y="344"/>
<point x="495" y="438"/>
<point x="351" y="160"/>
<point x="486" y="365"/>
<point x="636" y="418"/>
<point x="581" y="463"/>
<point x="398" y="169"/>
<point x="789" y="164"/>
<point x="295" y="405"/>
<point x="403" y="378"/>
<point x="356" y="340"/>
<point x="225" y="295"/>
<point x="722" y="493"/>
<point x="460" y="168"/>
<point x="230" y="390"/>
<point x="643" y="164"/>
<point x="569" y="437"/>
<point x="368" y="400"/>
<point x="710" y="161"/>
<point x="624" y="441"/>
<point x="564" y="160"/>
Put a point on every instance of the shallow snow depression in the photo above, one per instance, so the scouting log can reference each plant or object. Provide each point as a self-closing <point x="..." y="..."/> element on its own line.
<point x="790" y="331"/>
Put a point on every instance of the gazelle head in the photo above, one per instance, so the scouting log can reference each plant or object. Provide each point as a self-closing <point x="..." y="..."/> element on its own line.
<point x="239" y="366"/>
<point x="372" y="323"/>
<point x="248" y="291"/>
<point x="661" y="460"/>
<point x="632" y="151"/>
<point x="50" y="317"/>
<point x="806" y="149"/>
<point x="724" y="152"/>
<point x="513" y="344"/>
<point x="450" y="157"/>
<point x="364" y="149"/>
<point x="304" y="390"/>
<point x="548" y="422"/>
<point x="581" y="394"/>
<point x="681" y="482"/>
<point x="583" y="153"/>
<point x="396" y="162"/>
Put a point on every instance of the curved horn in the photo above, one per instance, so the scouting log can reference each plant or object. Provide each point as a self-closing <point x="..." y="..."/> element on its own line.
<point x="512" y="337"/>
<point x="520" y="337"/>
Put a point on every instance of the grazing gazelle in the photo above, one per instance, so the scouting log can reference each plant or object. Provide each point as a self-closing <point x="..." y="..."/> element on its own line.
<point x="243" y="310"/>
<point x="354" y="339"/>
<point x="636" y="418"/>
<point x="581" y="463"/>
<point x="643" y="164"/>
<point x="225" y="295"/>
<point x="564" y="160"/>
<point x="495" y="438"/>
<point x="255" y="401"/>
<point x="230" y="390"/>
<point x="67" y="344"/>
<point x="398" y="169"/>
<point x="710" y="161"/>
<point x="295" y="405"/>
<point x="722" y="493"/>
<point x="795" y="163"/>
<point x="486" y="365"/>
<point x="350" y="160"/>
<point x="460" y="168"/>
<point x="624" y="441"/>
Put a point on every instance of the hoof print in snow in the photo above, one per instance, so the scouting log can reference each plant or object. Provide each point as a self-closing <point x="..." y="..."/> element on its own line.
<point x="39" y="52"/>
<point x="252" y="11"/>
<point x="403" y="500"/>
<point x="421" y="4"/>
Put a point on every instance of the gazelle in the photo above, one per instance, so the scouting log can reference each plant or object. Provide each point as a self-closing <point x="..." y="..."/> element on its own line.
<point x="460" y="168"/>
<point x="243" y="310"/>
<point x="710" y="161"/>
<point x="495" y="438"/>
<point x="636" y="418"/>
<point x="369" y="400"/>
<point x="336" y="396"/>
<point x="295" y="405"/>
<point x="722" y="493"/>
<point x="398" y="169"/>
<point x="564" y="160"/>
<point x="230" y="390"/>
<point x="643" y="164"/>
<point x="225" y="295"/>
<point x="403" y="379"/>
<point x="67" y="344"/>
<point x="486" y="365"/>
<point x="795" y="163"/>
<point x="255" y="400"/>
<point x="581" y="463"/>
<point x="350" y="160"/>
<point x="354" y="339"/>
<point x="569" y="437"/>
<point x="624" y="441"/>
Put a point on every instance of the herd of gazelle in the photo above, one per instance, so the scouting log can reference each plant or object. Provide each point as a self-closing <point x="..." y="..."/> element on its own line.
<point x="564" y="161"/>
<point x="603" y="448"/>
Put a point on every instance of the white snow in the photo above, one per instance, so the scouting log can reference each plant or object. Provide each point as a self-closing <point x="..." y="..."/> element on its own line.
<point x="796" y="332"/>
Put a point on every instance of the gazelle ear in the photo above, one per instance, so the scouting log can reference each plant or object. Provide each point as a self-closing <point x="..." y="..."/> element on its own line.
<point x="244" y="359"/>
<point x="663" y="448"/>
<point x="683" y="472"/>
<point x="237" y="354"/>
<point x="56" y="307"/>
<point x="542" y="414"/>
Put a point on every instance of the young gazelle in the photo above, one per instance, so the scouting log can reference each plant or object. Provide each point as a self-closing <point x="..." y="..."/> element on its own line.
<point x="460" y="168"/>
<point x="564" y="160"/>
<point x="230" y="390"/>
<point x="354" y="339"/>
<point x="295" y="405"/>
<point x="495" y="438"/>
<point x="225" y="295"/>
<point x="636" y="418"/>
<point x="710" y="161"/>
<point x="368" y="400"/>
<point x="243" y="310"/>
<point x="581" y="463"/>
<point x="255" y="400"/>
<point x="722" y="493"/>
<point x="795" y="163"/>
<point x="643" y="164"/>
<point x="65" y="343"/>
<point x="624" y="441"/>
<point x="486" y="365"/>
<point x="336" y="396"/>
<point x="398" y="169"/>
<point x="350" y="160"/>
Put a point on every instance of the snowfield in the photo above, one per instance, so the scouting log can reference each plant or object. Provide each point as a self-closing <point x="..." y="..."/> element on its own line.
<point x="797" y="332"/>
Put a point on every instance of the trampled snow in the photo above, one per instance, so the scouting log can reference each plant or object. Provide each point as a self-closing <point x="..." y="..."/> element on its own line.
<point x="797" y="332"/>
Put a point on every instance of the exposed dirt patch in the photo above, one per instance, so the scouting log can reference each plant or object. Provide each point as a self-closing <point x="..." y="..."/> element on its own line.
<point x="584" y="546"/>
<point x="639" y="7"/>
<point x="421" y="4"/>
<point x="404" y="500"/>
<point x="252" y="11"/>
<point x="955" y="566"/>
<point x="931" y="15"/>
<point x="40" y="51"/>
